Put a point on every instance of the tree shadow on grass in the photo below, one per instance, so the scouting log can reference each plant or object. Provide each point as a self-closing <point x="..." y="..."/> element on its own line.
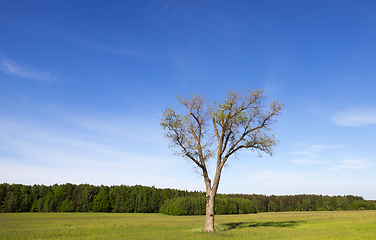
<point x="238" y="225"/>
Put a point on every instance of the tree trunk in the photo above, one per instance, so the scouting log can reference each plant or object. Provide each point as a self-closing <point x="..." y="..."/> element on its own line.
<point x="209" y="218"/>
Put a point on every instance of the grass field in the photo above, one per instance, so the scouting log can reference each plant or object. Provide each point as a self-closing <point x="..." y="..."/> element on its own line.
<point x="284" y="225"/>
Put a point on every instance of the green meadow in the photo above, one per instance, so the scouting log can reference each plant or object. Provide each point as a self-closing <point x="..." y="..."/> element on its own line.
<point x="281" y="225"/>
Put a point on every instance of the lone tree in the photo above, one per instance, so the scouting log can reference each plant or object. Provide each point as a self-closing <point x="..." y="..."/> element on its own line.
<point x="218" y="131"/>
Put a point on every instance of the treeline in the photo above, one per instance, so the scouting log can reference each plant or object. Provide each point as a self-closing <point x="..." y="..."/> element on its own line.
<point x="140" y="199"/>
<point x="85" y="198"/>
<point x="307" y="202"/>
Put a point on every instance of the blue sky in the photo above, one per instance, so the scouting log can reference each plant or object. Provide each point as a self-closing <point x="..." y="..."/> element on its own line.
<point x="83" y="85"/>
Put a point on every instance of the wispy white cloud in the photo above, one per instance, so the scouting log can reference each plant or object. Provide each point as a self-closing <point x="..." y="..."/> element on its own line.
<point x="290" y="182"/>
<point x="307" y="161"/>
<point x="114" y="127"/>
<point x="355" y="117"/>
<point x="12" y="68"/>
<point x="136" y="50"/>
<point x="354" y="163"/>
<point x="310" y="149"/>
<point x="266" y="175"/>
<point x="75" y="152"/>
<point x="310" y="153"/>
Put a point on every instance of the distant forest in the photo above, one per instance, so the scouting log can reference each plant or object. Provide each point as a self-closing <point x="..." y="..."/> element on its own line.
<point x="141" y="199"/>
